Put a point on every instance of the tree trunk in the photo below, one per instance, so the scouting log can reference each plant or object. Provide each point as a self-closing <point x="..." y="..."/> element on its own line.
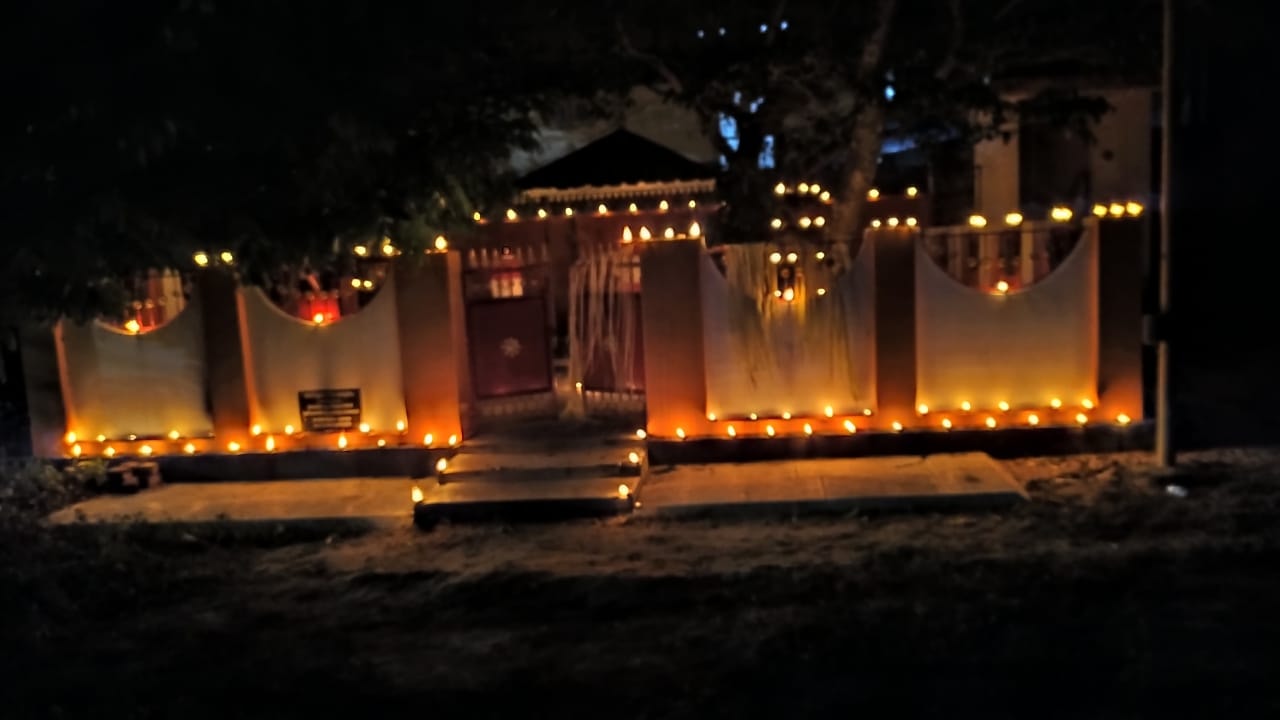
<point x="849" y="210"/>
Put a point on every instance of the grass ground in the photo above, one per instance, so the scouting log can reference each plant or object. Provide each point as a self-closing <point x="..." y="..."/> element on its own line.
<point x="1106" y="596"/>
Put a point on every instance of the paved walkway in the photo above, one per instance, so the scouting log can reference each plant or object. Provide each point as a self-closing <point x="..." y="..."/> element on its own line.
<point x="374" y="501"/>
<point x="839" y="485"/>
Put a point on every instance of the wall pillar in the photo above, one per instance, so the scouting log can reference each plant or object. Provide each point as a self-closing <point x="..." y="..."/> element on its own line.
<point x="433" y="344"/>
<point x="671" y="311"/>
<point x="895" y="324"/>
<point x="1120" y="281"/>
<point x="225" y="353"/>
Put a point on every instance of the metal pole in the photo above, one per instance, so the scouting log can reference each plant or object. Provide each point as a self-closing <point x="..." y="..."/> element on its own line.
<point x="1165" y="453"/>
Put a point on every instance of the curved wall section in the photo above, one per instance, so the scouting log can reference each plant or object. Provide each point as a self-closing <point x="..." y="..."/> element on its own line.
<point x="1024" y="348"/>
<point x="119" y="384"/>
<point x="285" y="357"/>
<point x="771" y="357"/>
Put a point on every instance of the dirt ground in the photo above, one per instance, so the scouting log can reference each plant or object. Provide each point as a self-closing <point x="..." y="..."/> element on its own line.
<point x="1115" y="592"/>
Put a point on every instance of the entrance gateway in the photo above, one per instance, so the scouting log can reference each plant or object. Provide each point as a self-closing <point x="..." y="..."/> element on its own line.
<point x="552" y="285"/>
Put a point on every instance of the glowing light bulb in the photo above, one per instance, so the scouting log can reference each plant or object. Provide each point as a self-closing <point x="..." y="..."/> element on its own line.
<point x="342" y="441"/>
<point x="732" y="432"/>
<point x="364" y="428"/>
<point x="977" y="221"/>
<point x="1004" y="406"/>
<point x="788" y="295"/>
<point x="754" y="416"/>
<point x="201" y="259"/>
<point x="1123" y="419"/>
<point x="624" y="492"/>
<point x="669" y="234"/>
<point x="780" y="189"/>
<point x="680" y="433"/>
<point x="368" y="284"/>
<point x="1081" y="418"/>
<point x="775" y="257"/>
<point x="828" y="411"/>
<point x="850" y="427"/>
<point x="1013" y="218"/>
<point x="1056" y="403"/>
<point x="233" y="446"/>
<point x="626" y="235"/>
<point x="355" y="283"/>
<point x="416" y="494"/>
<point x="808" y="429"/>
<point x="897" y="426"/>
<point x="271" y="443"/>
<point x="966" y="406"/>
<point x="821" y="291"/>
<point x="174" y="434"/>
<point x="819" y="221"/>
<point x="382" y="442"/>
<point x="990" y="422"/>
<point x="825" y="196"/>
<point x="792" y="257"/>
<point x="1033" y="419"/>
<point x="866" y="411"/>
<point x="786" y="415"/>
<point x="602" y="208"/>
<point x="1133" y="208"/>
<point x="875" y="223"/>
<point x="913" y="191"/>
<point x="1002" y="287"/>
<point x="441" y="465"/>
<point x="805" y="222"/>
<point x="645" y="234"/>
<point x="568" y="212"/>
<point x="511" y="214"/>
<point x="442" y="243"/>
<point x="802" y="188"/>
<point x="695" y="230"/>
<point x="256" y="430"/>
<point x="776" y="223"/>
<point x="873" y="194"/>
<point x="227" y="257"/>
<point x="75" y="450"/>
<point x="711" y="417"/>
<point x="632" y="208"/>
<point x="815" y="188"/>
<point x="288" y="429"/>
<point x="453" y="441"/>
<point x="318" y="318"/>
<point x="912" y="222"/>
<point x="388" y="249"/>
<point x="70" y="438"/>
<point x="133" y="326"/>
<point x="1100" y="210"/>
<point x="109" y="452"/>
<point x="428" y="440"/>
<point x="922" y="409"/>
<point x="1061" y="214"/>
<point x="1087" y="404"/>
<point x="477" y="216"/>
<point x="893" y="222"/>
<point x="189" y="448"/>
<point x="640" y="433"/>
<point x="664" y="206"/>
<point x="768" y="430"/>
<point x="633" y="457"/>
<point x="400" y="426"/>
<point x="946" y="423"/>
<point x="101" y="438"/>
<point x="542" y="214"/>
<point x="693" y="204"/>
<point x="1116" y="209"/>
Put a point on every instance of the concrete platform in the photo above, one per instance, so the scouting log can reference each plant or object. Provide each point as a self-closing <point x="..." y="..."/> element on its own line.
<point x="783" y="488"/>
<point x="363" y="501"/>
<point x="512" y="498"/>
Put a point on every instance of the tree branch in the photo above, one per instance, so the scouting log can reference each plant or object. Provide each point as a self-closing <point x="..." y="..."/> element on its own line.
<point x="778" y="11"/>
<point x="873" y="48"/>
<point x="653" y="61"/>
<point x="948" y="63"/>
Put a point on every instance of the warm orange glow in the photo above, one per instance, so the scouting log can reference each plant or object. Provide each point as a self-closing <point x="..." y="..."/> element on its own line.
<point x="453" y="440"/>
<point x="711" y="417"/>
<point x="189" y="448"/>
<point x="233" y="446"/>
<point x="768" y="430"/>
<point x="977" y="221"/>
<point x="815" y="188"/>
<point x="400" y="426"/>
<point x="1082" y="418"/>
<point x="1055" y="403"/>
<point x="680" y="433"/>
<point x="109" y="452"/>
<point x="602" y="208"/>
<point x="133" y="326"/>
<point x="382" y="442"/>
<point x="786" y="415"/>
<point x="754" y="416"/>
<point x="850" y="427"/>
<point x="633" y="457"/>
<point x="70" y="438"/>
<point x="428" y="439"/>
<point x="477" y="216"/>
<point x="1004" y="406"/>
<point x="966" y="406"/>
<point x="441" y="465"/>
<point x="946" y="423"/>
<point x="828" y="411"/>
<point x="732" y="432"/>
<point x="788" y="295"/>
<point x="624" y="492"/>
<point x="288" y="429"/>
<point x="416" y="494"/>
<point x="645" y="234"/>
<point x="271" y="443"/>
<point x="1033" y="419"/>
<point x="342" y="441"/>
<point x="318" y="318"/>
<point x="1087" y="404"/>
<point x="866" y="411"/>
<point x="75" y="450"/>
<point x="1013" y="218"/>
<point x="873" y="194"/>
<point x="808" y="429"/>
<point x="821" y="291"/>
<point x="922" y="409"/>
<point x="146" y="450"/>
<point x="1123" y="419"/>
<point x="640" y="433"/>
<point x="442" y="243"/>
<point x="355" y="282"/>
<point x="364" y="428"/>
<point x="897" y="426"/>
<point x="256" y="430"/>
<point x="1002" y="287"/>
<point x="991" y="422"/>
<point x="775" y="257"/>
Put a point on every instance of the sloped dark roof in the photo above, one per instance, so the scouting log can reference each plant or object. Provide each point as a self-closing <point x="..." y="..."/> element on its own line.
<point x="621" y="157"/>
